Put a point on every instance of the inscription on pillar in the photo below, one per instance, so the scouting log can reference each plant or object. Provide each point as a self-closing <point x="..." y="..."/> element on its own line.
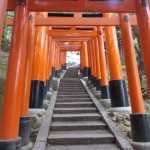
<point x="30" y="19"/>
<point x="126" y="18"/>
<point x="100" y="33"/>
<point x="144" y="3"/>
<point x="22" y="2"/>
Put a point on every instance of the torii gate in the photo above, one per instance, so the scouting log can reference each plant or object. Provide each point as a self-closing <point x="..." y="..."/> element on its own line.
<point x="17" y="60"/>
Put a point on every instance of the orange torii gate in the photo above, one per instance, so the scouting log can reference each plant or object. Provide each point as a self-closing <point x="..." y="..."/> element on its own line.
<point x="9" y="123"/>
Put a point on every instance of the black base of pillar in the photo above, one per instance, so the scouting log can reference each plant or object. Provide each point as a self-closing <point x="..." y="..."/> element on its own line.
<point x="24" y="130"/>
<point x="85" y="71"/>
<point x="50" y="81"/>
<point x="140" y="127"/>
<point x="94" y="81"/>
<point x="81" y="70"/>
<point x="53" y="72"/>
<point x="45" y="92"/>
<point x="36" y="94"/>
<point x="118" y="93"/>
<point x="64" y="67"/>
<point x="98" y="84"/>
<point x="58" y="72"/>
<point x="89" y="73"/>
<point x="10" y="144"/>
<point x="105" y="93"/>
<point x="47" y="85"/>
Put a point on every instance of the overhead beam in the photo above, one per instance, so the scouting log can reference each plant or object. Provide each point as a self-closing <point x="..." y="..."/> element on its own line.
<point x="70" y="49"/>
<point x="72" y="39"/>
<point x="69" y="43"/>
<point x="72" y="33"/>
<point x="77" y="6"/>
<point x="64" y="21"/>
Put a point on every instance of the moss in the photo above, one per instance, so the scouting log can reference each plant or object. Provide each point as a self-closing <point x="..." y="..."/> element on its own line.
<point x="33" y="121"/>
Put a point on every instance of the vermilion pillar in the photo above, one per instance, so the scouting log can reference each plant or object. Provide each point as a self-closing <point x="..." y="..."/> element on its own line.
<point x="81" y="61"/>
<point x="98" y="66"/>
<point x="37" y="82"/>
<point x="24" y="129"/>
<point x="89" y="61"/>
<point x="45" y="64"/>
<point x="94" y="63"/>
<point x="49" y="68"/>
<point x="85" y="55"/>
<point x="53" y="55"/>
<point x="143" y="20"/>
<point x="117" y="85"/>
<point x="104" y="81"/>
<point x="9" y="123"/>
<point x="57" y="60"/>
<point x="64" y="61"/>
<point x="3" y="8"/>
<point x="139" y="120"/>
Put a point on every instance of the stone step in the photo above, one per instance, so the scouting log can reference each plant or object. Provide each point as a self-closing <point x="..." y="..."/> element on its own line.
<point x="75" y="110"/>
<point x="77" y="117"/>
<point x="74" y="104"/>
<point x="84" y="147"/>
<point x="80" y="137"/>
<point x="72" y="86"/>
<point x="72" y="93"/>
<point x="74" y="100"/>
<point x="71" y="90"/>
<point x="73" y="96"/>
<point x="81" y="125"/>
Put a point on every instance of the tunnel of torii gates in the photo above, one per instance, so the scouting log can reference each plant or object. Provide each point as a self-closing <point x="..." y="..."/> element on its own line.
<point x="38" y="52"/>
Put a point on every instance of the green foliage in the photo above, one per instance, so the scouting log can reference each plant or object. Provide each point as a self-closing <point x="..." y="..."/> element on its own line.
<point x="7" y="32"/>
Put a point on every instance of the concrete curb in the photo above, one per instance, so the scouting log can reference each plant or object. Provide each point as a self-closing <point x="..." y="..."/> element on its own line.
<point x="120" y="109"/>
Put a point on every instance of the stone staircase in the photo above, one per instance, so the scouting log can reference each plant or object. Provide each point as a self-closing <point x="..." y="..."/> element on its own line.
<point x="76" y="122"/>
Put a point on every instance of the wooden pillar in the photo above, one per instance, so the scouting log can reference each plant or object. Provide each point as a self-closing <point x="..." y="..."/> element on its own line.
<point x="37" y="82"/>
<point x="24" y="128"/>
<point x="89" y="61"/>
<point x="117" y="85"/>
<point x="94" y="63"/>
<point x="143" y="21"/>
<point x="85" y="55"/>
<point x="3" y="8"/>
<point x="81" y="61"/>
<point x="9" y="123"/>
<point x="104" y="81"/>
<point x="53" y="55"/>
<point x="49" y="63"/>
<point x="139" y="120"/>
<point x="91" y="75"/>
<point x="45" y="64"/>
<point x="98" y="66"/>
